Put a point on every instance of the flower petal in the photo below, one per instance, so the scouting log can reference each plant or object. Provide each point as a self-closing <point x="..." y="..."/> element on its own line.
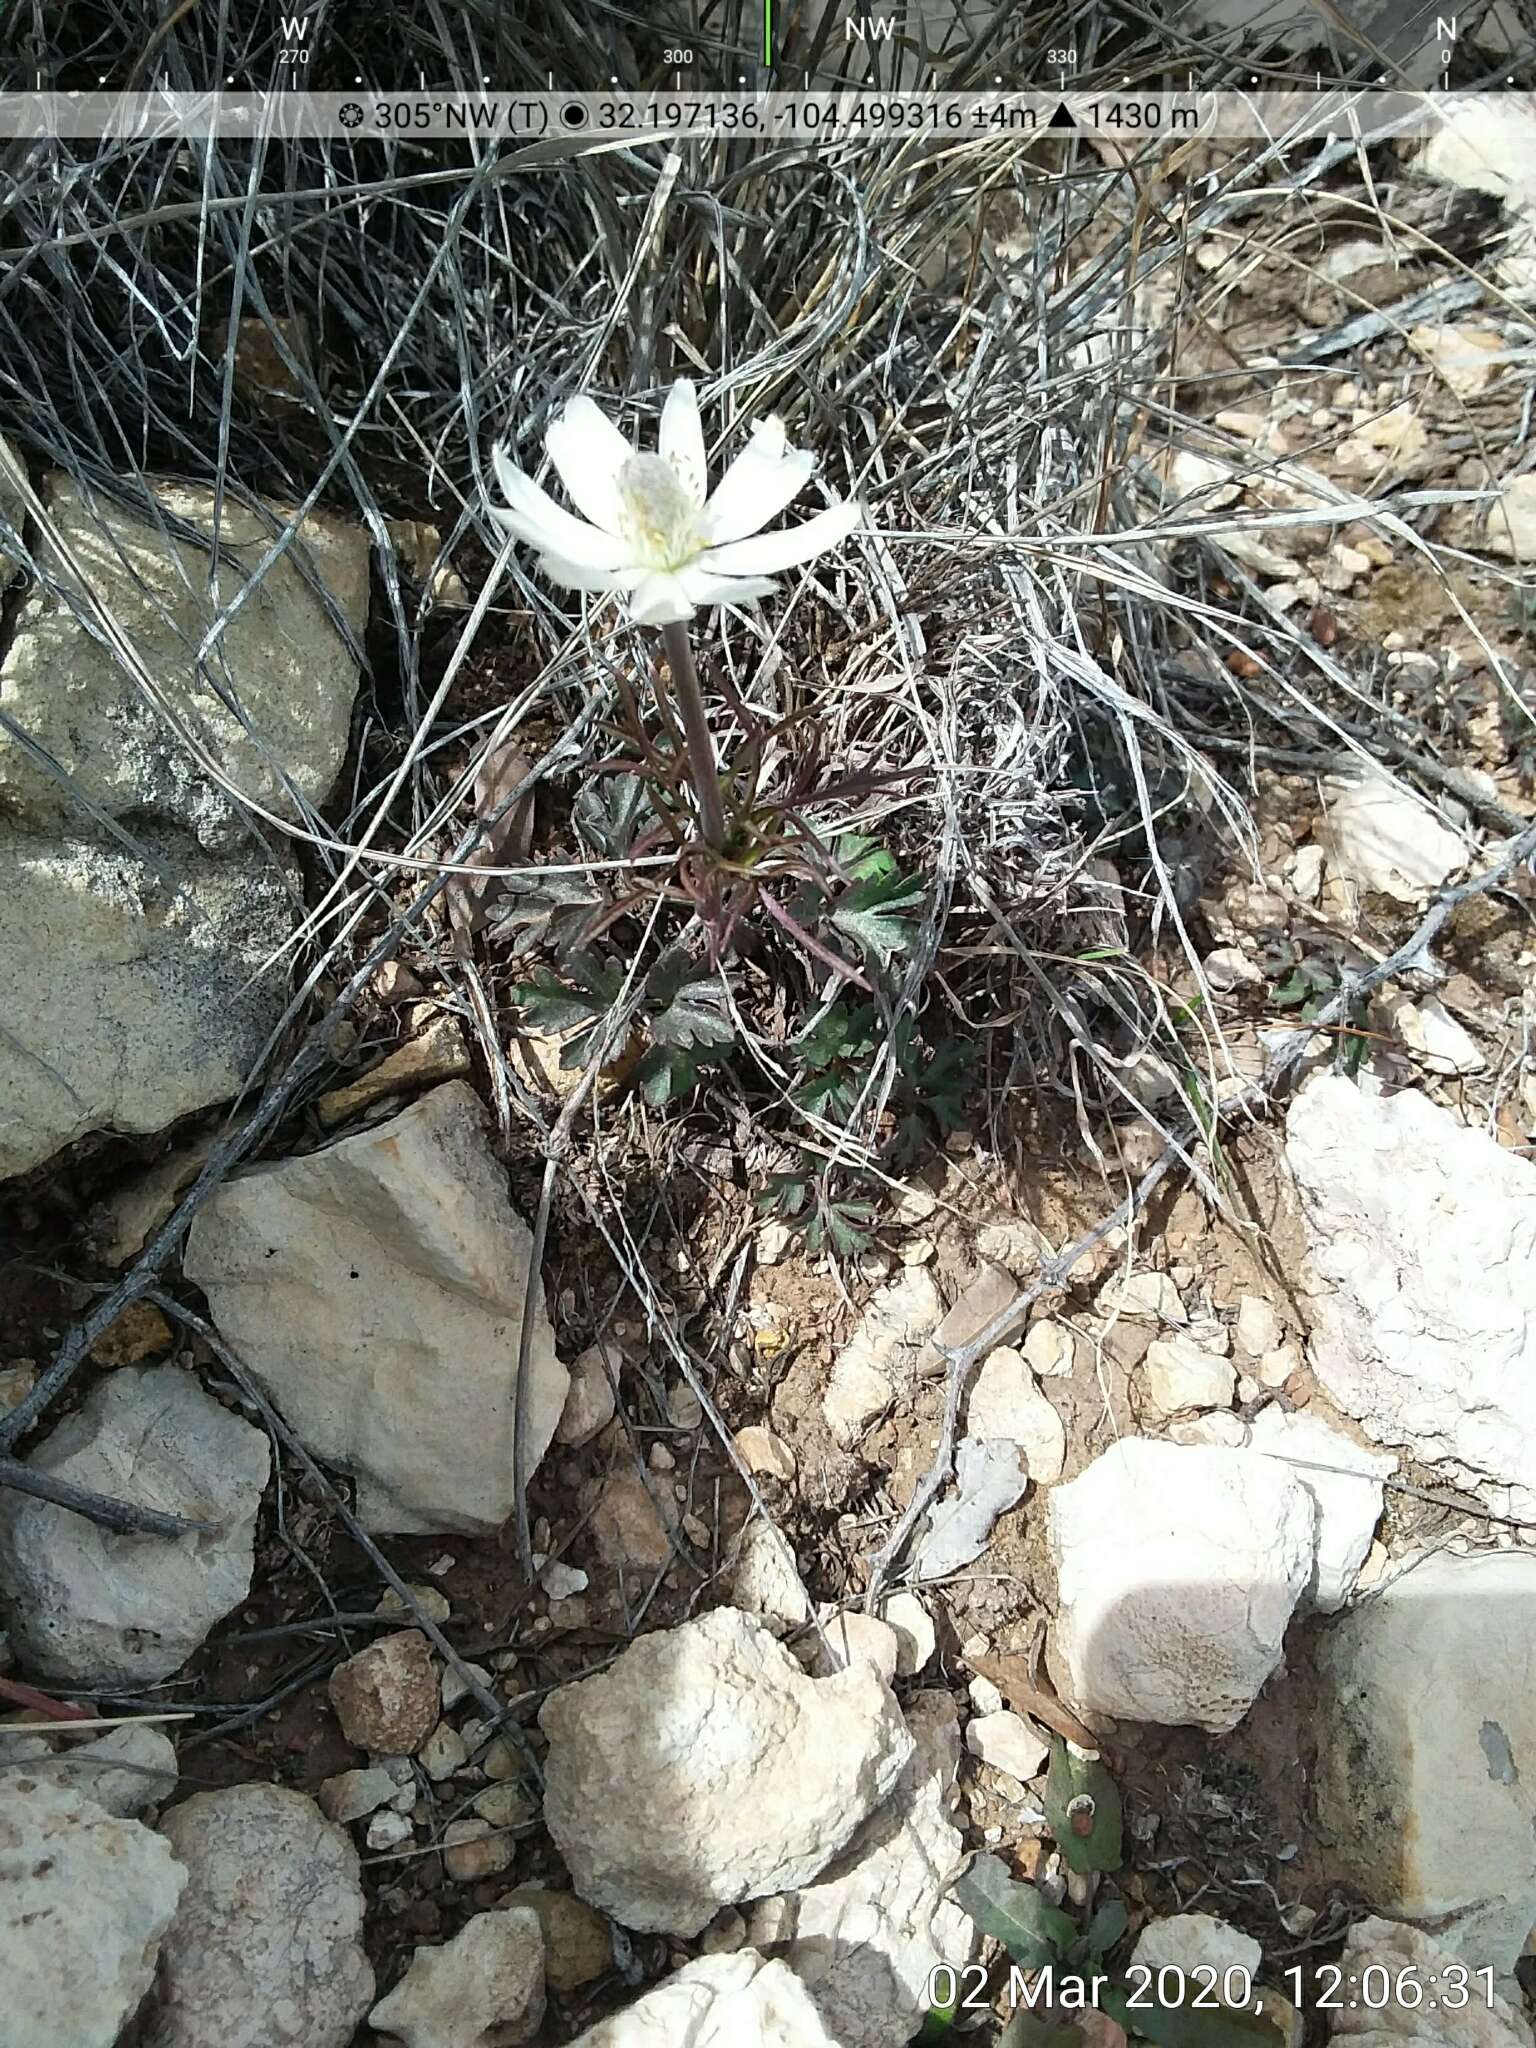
<point x="766" y="553"/>
<point x="762" y="480"/>
<point x="531" y="515"/>
<point x="660" y="600"/>
<point x="581" y="576"/>
<point x="588" y="451"/>
<point x="682" y="438"/>
<point x="705" y="588"/>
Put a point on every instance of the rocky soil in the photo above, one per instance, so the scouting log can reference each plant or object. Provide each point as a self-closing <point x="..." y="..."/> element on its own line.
<point x="1242" y="1509"/>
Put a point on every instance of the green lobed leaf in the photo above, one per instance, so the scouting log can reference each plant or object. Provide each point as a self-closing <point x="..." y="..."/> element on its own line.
<point x="668" y="1072"/>
<point x="1082" y="1809"/>
<point x="870" y="913"/>
<point x="548" y="1004"/>
<point x="1033" y="1931"/>
<point x="685" y="1002"/>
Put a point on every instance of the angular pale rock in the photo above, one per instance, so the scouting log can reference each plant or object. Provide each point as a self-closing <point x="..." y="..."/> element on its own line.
<point x="577" y="1945"/>
<point x="386" y="1697"/>
<point x="1050" y="1349"/>
<point x="1385" y="840"/>
<point x="353" y="1795"/>
<point x="737" y="2001"/>
<point x="85" y="1898"/>
<point x="1258" y="1328"/>
<point x="704" y="1767"/>
<point x="1193" y="1941"/>
<point x="1177" y="1572"/>
<point x="280" y="658"/>
<point x="1421" y="1240"/>
<point x="376" y="1288"/>
<point x="1220" y="1427"/>
<point x="1508" y="528"/>
<point x="766" y="1581"/>
<point x="916" y="1637"/>
<point x="864" y="1939"/>
<point x="84" y="1605"/>
<point x="589" y="1401"/>
<point x="123" y="1771"/>
<point x="1145" y="1298"/>
<point x="764" y="1454"/>
<point x="982" y="1300"/>
<point x="990" y="1478"/>
<point x="439" y="1054"/>
<point x="1343" y="1480"/>
<point x="1005" y="1401"/>
<point x="1007" y="1742"/>
<point x="265" y="1950"/>
<point x="1277" y="1366"/>
<point x="483" y="1989"/>
<point x="1180" y="1375"/>
<point x="627" y="1525"/>
<point x="1432" y="1035"/>
<point x="1468" y="358"/>
<point x="1406" y="1963"/>
<point x="855" y="1638"/>
<point x="160" y="992"/>
<point x="1428" y="1725"/>
<point x="882" y="1353"/>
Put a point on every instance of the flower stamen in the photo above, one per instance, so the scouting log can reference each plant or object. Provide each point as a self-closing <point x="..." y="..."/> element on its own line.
<point x="657" y="511"/>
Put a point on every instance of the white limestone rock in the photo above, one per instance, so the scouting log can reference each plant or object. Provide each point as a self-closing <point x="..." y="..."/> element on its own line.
<point x="83" y="1605"/>
<point x="280" y="658"/>
<point x="589" y="1402"/>
<point x="853" y="1637"/>
<point x="1410" y="1963"/>
<point x="376" y="1288"/>
<point x="882" y="1354"/>
<point x="1007" y="1742"/>
<point x="1421" y="1243"/>
<point x="1178" y="1569"/>
<point x="1427" y="1720"/>
<point x="122" y="1771"/>
<point x="1345" y="1484"/>
<point x="1195" y="1941"/>
<point x="766" y="1581"/>
<point x="266" y="1949"/>
<point x="735" y="2001"/>
<point x="704" y="1767"/>
<point x="1381" y="837"/>
<point x="1258" y="1329"/>
<point x="159" y="992"/>
<point x="1006" y="1401"/>
<point x="483" y="1989"/>
<point x="864" y="1938"/>
<point x="916" y="1637"/>
<point x="85" y="1898"/>
<point x="1180" y="1375"/>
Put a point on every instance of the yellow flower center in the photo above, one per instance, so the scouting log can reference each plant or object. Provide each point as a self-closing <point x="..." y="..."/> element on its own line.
<point x="659" y="516"/>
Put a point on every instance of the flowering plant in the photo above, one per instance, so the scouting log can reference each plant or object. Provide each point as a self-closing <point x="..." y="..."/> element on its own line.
<point x="652" y="534"/>
<point x="649" y="531"/>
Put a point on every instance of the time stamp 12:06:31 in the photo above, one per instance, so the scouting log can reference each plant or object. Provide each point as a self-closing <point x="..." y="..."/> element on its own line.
<point x="1324" y="1988"/>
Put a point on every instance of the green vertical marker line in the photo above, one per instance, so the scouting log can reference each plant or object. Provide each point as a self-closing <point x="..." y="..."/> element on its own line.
<point x="767" y="31"/>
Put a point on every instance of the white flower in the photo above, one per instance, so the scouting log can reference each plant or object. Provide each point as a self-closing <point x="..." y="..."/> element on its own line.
<point x="654" y="536"/>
